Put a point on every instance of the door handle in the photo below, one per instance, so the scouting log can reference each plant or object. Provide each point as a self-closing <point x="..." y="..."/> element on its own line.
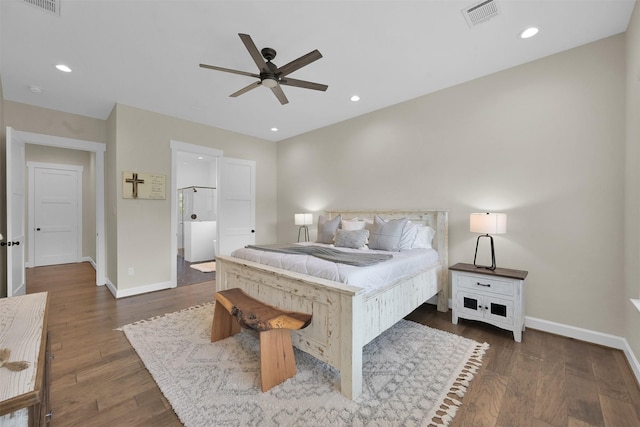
<point x="9" y="243"/>
<point x="253" y="231"/>
<point x="38" y="229"/>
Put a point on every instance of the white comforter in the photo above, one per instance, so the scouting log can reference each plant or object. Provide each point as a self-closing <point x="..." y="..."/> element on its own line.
<point x="370" y="278"/>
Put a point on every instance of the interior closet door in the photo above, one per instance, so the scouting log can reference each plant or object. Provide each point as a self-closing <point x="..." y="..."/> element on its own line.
<point x="56" y="197"/>
<point x="237" y="205"/>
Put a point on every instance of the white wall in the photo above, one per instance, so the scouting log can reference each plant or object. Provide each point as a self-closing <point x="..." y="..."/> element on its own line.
<point x="543" y="142"/>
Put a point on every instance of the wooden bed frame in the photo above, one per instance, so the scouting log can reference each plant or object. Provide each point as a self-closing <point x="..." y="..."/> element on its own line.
<point x="344" y="319"/>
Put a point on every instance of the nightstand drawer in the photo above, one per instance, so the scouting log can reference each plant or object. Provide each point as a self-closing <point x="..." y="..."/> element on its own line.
<point x="486" y="284"/>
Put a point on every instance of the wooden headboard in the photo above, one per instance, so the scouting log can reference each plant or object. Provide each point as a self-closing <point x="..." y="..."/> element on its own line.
<point x="436" y="219"/>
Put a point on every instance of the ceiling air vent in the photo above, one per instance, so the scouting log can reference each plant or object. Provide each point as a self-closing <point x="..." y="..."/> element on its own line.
<point x="480" y="12"/>
<point x="50" y="6"/>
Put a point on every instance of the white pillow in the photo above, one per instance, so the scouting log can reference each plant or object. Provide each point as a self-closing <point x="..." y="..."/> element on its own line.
<point x="424" y="236"/>
<point x="353" y="224"/>
<point x="409" y="233"/>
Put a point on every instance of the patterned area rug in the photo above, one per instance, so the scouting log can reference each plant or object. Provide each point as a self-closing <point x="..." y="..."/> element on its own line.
<point x="413" y="376"/>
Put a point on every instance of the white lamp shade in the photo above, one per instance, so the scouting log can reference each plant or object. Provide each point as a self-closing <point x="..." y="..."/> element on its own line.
<point x="303" y="219"/>
<point x="488" y="223"/>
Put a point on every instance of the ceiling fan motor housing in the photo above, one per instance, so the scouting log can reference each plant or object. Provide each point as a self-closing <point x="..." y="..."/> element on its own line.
<point x="268" y="53"/>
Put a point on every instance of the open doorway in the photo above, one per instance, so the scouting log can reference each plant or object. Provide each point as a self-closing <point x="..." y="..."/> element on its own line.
<point x="197" y="227"/>
<point x="195" y="215"/>
<point x="16" y="203"/>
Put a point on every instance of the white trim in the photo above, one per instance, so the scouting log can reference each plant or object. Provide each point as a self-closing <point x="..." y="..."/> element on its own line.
<point x="587" y="335"/>
<point x="79" y="170"/>
<point x="99" y="149"/>
<point x="90" y="261"/>
<point x="636" y="302"/>
<point x="177" y="147"/>
<point x="123" y="293"/>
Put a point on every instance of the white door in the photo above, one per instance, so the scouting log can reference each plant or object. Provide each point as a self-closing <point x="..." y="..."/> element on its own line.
<point x="57" y="216"/>
<point x="15" y="214"/>
<point x="236" y="209"/>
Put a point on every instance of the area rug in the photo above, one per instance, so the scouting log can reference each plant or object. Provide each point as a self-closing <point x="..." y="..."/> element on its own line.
<point x="205" y="267"/>
<point x="413" y="376"/>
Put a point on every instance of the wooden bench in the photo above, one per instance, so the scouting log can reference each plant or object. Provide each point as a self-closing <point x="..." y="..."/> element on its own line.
<point x="274" y="326"/>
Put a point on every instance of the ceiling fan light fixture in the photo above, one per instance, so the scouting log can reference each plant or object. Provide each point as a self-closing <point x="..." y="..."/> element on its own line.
<point x="269" y="82"/>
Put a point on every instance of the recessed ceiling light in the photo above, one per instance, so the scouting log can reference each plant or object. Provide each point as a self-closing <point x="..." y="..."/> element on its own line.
<point x="35" y="89"/>
<point x="64" y="68"/>
<point x="200" y="157"/>
<point x="274" y="129"/>
<point x="529" y="32"/>
<point x="355" y="98"/>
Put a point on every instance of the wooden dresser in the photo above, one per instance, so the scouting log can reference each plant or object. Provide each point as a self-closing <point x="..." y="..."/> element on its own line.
<point x="24" y="395"/>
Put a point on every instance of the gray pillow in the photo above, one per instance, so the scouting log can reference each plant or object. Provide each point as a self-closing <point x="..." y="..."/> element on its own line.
<point x="355" y="239"/>
<point x="385" y="235"/>
<point x="327" y="228"/>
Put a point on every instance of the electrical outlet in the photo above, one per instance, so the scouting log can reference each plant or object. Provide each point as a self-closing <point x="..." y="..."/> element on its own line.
<point x="131" y="271"/>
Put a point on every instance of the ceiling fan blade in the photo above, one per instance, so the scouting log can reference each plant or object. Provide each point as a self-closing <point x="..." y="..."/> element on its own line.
<point x="277" y="91"/>
<point x="229" y="70"/>
<point x="296" y="64"/>
<point x="254" y="52"/>
<point x="246" y="89"/>
<point x="304" y="84"/>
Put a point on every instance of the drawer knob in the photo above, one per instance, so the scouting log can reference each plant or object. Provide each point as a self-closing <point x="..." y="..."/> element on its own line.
<point x="486" y="285"/>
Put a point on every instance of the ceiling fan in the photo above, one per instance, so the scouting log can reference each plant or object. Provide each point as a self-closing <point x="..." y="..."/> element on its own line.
<point x="271" y="75"/>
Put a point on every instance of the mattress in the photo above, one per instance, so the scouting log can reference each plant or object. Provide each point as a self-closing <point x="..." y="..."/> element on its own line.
<point x="370" y="278"/>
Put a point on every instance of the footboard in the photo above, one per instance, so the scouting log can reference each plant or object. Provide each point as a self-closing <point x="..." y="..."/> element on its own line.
<point x="344" y="320"/>
<point x="337" y="311"/>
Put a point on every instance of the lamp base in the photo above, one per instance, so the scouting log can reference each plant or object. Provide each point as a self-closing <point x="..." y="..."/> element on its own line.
<point x="305" y="236"/>
<point x="493" y="254"/>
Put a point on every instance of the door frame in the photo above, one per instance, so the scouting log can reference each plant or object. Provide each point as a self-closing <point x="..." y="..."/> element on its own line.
<point x="99" y="150"/>
<point x="176" y="148"/>
<point x="31" y="210"/>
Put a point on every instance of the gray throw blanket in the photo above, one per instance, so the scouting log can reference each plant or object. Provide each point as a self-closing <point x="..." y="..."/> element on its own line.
<point x="329" y="254"/>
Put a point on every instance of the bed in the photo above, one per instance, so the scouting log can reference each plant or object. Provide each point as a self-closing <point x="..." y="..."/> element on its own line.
<point x="345" y="317"/>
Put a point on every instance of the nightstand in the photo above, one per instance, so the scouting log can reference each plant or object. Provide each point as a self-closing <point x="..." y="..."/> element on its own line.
<point x="495" y="297"/>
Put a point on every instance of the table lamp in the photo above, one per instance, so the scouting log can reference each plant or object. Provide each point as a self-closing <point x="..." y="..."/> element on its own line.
<point x="303" y="220"/>
<point x="487" y="224"/>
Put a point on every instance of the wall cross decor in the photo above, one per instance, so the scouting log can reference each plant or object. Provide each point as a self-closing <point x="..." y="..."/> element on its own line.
<point x="141" y="185"/>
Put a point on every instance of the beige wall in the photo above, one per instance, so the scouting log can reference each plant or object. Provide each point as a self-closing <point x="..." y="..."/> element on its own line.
<point x="543" y="142"/>
<point x="632" y="194"/>
<point x="143" y="226"/>
<point x="29" y="118"/>
<point x="138" y="232"/>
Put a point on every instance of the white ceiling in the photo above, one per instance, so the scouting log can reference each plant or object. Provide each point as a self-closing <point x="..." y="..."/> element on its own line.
<point x="145" y="53"/>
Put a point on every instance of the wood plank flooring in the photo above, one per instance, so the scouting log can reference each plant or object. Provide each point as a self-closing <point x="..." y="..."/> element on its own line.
<point x="98" y="380"/>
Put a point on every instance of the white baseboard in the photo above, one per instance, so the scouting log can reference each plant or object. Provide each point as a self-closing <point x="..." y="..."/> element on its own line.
<point x="123" y="293"/>
<point x="587" y="335"/>
<point x="90" y="261"/>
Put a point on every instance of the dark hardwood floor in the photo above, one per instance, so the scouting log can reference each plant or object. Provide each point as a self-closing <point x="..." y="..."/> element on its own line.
<point x="98" y="380"/>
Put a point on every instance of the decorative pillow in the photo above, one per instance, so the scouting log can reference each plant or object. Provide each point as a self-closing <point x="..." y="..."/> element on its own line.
<point x="409" y="233"/>
<point x="424" y="236"/>
<point x="385" y="235"/>
<point x="327" y="228"/>
<point x="353" y="224"/>
<point x="355" y="239"/>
